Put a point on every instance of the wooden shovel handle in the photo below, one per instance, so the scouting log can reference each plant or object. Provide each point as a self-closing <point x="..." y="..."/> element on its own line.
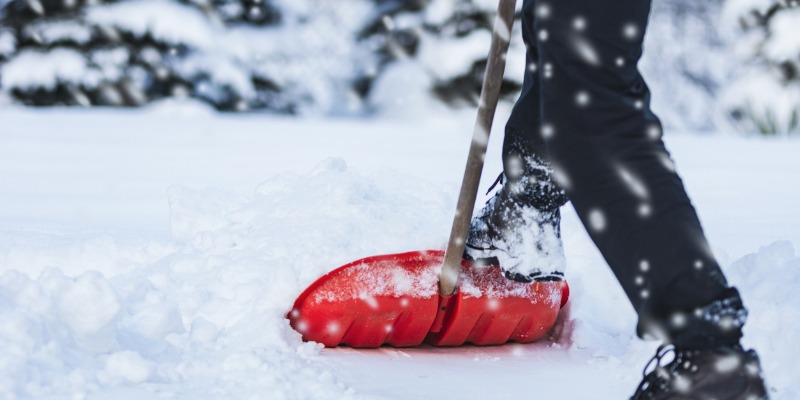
<point x="490" y="94"/>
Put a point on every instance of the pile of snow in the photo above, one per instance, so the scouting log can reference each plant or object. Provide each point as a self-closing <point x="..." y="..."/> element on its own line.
<point x="206" y="311"/>
<point x="768" y="281"/>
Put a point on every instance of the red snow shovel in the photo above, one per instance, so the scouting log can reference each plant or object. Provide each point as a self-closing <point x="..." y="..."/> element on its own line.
<point x="395" y="300"/>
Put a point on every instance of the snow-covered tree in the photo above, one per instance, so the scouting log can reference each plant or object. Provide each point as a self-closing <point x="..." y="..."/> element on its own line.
<point x="435" y="51"/>
<point x="283" y="55"/>
<point x="337" y="56"/>
<point x="765" y="97"/>
<point x="686" y="61"/>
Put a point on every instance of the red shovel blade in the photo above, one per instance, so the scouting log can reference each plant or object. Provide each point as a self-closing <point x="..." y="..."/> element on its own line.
<point x="394" y="300"/>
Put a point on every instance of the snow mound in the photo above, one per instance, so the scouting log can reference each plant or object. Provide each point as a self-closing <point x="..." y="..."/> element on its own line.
<point x="768" y="281"/>
<point x="209" y="313"/>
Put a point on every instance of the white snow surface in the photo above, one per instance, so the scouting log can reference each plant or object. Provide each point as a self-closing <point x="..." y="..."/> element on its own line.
<point x="154" y="254"/>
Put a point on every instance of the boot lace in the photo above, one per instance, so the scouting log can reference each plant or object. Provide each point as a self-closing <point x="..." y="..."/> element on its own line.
<point x="658" y="378"/>
<point x="498" y="181"/>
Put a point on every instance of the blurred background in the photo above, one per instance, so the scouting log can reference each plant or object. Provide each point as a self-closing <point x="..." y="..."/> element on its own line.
<point x="721" y="65"/>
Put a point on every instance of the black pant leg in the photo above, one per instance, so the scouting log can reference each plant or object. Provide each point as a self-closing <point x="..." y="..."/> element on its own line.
<point x="524" y="150"/>
<point x="606" y="146"/>
<point x="523" y="128"/>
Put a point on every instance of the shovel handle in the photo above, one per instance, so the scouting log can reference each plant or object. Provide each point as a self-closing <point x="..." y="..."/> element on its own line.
<point x="490" y="94"/>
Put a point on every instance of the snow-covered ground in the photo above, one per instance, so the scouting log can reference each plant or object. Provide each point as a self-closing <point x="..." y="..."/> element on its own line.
<point x="153" y="254"/>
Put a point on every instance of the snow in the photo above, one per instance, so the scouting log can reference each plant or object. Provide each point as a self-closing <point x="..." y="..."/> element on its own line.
<point x="32" y="69"/>
<point x="8" y="44"/>
<point x="312" y="55"/>
<point x="59" y="31"/>
<point x="111" y="62"/>
<point x="763" y="93"/>
<point x="157" y="19"/>
<point x="771" y="323"/>
<point x="221" y="70"/>
<point x="736" y="11"/>
<point x="307" y="61"/>
<point x="784" y="26"/>
<point x="154" y="253"/>
<point x="772" y="106"/>
<point x="438" y="11"/>
<point x="403" y="89"/>
<point x="686" y="62"/>
<point x="382" y="279"/>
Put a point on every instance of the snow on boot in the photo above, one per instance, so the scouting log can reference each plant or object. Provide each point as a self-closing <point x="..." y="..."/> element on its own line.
<point x="722" y="373"/>
<point x="519" y="229"/>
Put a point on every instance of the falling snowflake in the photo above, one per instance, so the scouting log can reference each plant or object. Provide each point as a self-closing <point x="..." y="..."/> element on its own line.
<point x="597" y="220"/>
<point x="630" y="31"/>
<point x="333" y="328"/>
<point x="582" y="98"/>
<point x="543" y="35"/>
<point x="679" y="320"/>
<point x="728" y="364"/>
<point x="548" y="71"/>
<point x="514" y="167"/>
<point x="548" y="131"/>
<point x="586" y="51"/>
<point x="667" y="162"/>
<point x="654" y="132"/>
<point x="634" y="183"/>
<point x="579" y="23"/>
<point x="561" y="178"/>
<point x="543" y="11"/>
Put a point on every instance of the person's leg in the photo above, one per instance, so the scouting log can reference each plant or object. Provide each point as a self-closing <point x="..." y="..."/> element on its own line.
<point x="606" y="148"/>
<point x="524" y="150"/>
<point x="519" y="228"/>
<point x="606" y="145"/>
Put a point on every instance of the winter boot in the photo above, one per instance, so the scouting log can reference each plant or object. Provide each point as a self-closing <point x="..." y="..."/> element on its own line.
<point x="721" y="373"/>
<point x="519" y="229"/>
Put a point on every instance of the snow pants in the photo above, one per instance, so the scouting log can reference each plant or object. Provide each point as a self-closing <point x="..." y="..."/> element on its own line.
<point x="585" y="111"/>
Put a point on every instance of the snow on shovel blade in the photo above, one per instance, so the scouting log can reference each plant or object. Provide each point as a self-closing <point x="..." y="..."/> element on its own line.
<point x="394" y="300"/>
